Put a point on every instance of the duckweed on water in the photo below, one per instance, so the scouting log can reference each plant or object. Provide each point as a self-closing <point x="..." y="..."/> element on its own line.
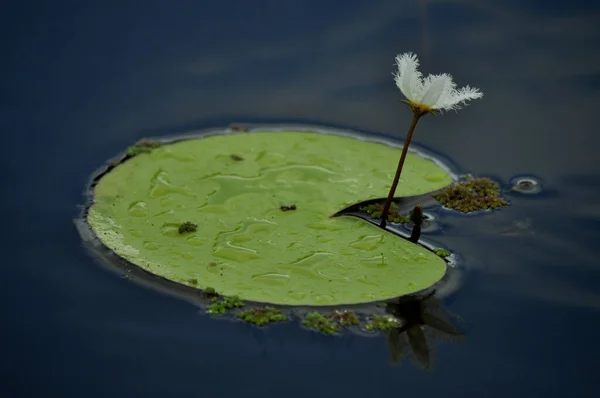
<point x="142" y="146"/>
<point x="317" y="321"/>
<point x="220" y="307"/>
<point x="382" y="322"/>
<point x="441" y="252"/>
<point x="330" y="323"/>
<point x="374" y="210"/>
<point x="471" y="195"/>
<point x="262" y="316"/>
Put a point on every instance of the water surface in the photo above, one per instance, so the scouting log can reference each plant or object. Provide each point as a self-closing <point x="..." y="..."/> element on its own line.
<point x="81" y="81"/>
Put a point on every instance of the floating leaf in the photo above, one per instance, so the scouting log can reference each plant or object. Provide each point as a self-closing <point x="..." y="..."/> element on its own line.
<point x="241" y="242"/>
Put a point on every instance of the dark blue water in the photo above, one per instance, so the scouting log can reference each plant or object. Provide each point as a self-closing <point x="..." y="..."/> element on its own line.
<point x="82" y="80"/>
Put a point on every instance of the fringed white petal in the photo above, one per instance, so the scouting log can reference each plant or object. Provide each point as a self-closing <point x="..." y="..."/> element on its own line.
<point x="465" y="94"/>
<point x="436" y="89"/>
<point x="408" y="77"/>
<point x="436" y="92"/>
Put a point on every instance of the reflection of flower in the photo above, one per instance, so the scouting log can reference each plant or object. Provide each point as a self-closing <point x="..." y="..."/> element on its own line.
<point x="418" y="317"/>
<point x="435" y="92"/>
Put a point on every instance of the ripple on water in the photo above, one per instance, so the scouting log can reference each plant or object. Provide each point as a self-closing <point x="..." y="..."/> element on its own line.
<point x="526" y="185"/>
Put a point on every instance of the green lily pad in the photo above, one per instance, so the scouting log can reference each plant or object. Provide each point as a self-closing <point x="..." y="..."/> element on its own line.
<point x="248" y="215"/>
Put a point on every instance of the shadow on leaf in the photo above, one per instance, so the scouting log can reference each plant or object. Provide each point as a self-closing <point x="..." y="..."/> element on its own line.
<point x="406" y="210"/>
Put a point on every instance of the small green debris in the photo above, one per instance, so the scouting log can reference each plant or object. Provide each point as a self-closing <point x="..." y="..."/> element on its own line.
<point x="287" y="208"/>
<point x="381" y="305"/>
<point x="142" y="146"/>
<point x="193" y="281"/>
<point x="382" y="322"/>
<point x="210" y="292"/>
<point x="262" y="316"/>
<point x="374" y="210"/>
<point x="187" y="227"/>
<point x="236" y="158"/>
<point x="227" y="303"/>
<point x="320" y="323"/>
<point x="441" y="252"/>
<point x="471" y="195"/>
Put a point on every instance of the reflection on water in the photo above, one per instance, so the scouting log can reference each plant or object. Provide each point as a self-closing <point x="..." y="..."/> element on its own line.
<point x="422" y="321"/>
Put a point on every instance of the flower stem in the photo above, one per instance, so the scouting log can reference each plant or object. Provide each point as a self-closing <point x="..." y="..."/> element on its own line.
<point x="417" y="113"/>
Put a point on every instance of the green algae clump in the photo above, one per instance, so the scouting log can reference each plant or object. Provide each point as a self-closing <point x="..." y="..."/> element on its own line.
<point x="381" y="322"/>
<point x="262" y="316"/>
<point x="187" y="227"/>
<point x="330" y="323"/>
<point x="320" y="323"/>
<point x="220" y="307"/>
<point x="471" y="195"/>
<point x="287" y="208"/>
<point x="210" y="292"/>
<point x="441" y="252"/>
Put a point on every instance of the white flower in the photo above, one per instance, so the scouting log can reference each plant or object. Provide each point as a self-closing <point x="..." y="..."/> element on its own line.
<point x="435" y="92"/>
